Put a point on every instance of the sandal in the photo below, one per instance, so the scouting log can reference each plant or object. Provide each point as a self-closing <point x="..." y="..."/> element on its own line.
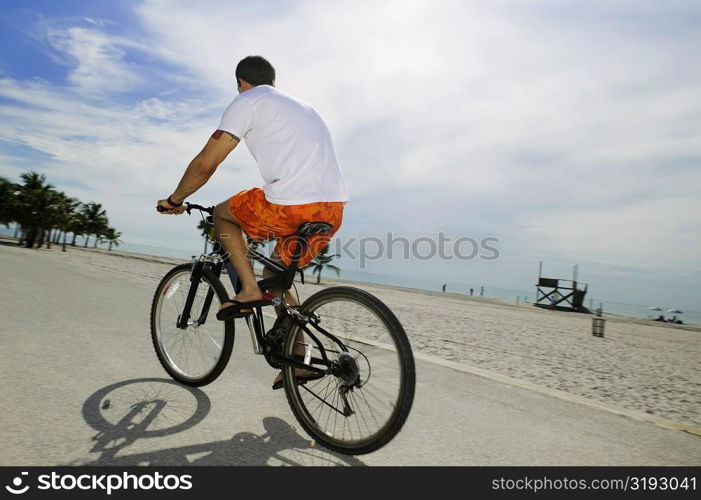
<point x="239" y="309"/>
<point x="302" y="378"/>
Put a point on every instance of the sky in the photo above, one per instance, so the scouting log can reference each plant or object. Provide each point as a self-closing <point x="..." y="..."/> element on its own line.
<point x="570" y="132"/>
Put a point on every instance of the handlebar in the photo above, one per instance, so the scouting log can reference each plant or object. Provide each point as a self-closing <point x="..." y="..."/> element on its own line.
<point x="193" y="206"/>
<point x="189" y="207"/>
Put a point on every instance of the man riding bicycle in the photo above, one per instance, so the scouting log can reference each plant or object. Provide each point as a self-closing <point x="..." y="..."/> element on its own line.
<point x="296" y="158"/>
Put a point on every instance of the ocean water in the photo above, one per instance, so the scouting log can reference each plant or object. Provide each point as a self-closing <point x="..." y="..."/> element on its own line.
<point x="507" y="294"/>
<point x="514" y="295"/>
<point x="160" y="251"/>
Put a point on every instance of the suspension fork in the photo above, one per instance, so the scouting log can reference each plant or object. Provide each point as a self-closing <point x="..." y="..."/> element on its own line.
<point x="195" y="276"/>
<point x="216" y="270"/>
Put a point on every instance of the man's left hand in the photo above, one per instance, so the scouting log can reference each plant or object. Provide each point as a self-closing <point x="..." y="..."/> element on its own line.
<point x="169" y="209"/>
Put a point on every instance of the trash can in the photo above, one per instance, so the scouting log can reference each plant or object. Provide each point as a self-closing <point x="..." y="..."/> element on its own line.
<point x="597" y="327"/>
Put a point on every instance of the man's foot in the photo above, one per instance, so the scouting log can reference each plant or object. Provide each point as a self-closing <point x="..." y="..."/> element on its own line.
<point x="303" y="376"/>
<point x="242" y="305"/>
<point x="243" y="296"/>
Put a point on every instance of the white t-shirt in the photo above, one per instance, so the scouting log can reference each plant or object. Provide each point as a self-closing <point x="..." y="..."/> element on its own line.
<point x="291" y="145"/>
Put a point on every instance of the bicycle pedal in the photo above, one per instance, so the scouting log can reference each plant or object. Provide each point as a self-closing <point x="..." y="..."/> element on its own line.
<point x="233" y="313"/>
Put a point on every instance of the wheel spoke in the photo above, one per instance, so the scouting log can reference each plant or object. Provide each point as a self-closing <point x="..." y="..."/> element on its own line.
<point x="333" y="407"/>
<point x="195" y="352"/>
<point x="372" y="337"/>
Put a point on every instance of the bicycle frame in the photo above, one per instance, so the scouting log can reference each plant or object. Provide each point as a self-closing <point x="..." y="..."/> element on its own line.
<point x="217" y="260"/>
<point x="326" y="347"/>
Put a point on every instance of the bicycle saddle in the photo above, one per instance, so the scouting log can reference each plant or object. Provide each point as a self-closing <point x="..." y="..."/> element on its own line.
<point x="311" y="228"/>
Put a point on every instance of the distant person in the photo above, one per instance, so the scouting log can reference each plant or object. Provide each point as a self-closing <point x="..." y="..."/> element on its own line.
<point x="472" y="292"/>
<point x="444" y="285"/>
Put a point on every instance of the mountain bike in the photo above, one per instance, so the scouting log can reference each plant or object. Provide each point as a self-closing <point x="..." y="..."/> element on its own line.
<point x="345" y="336"/>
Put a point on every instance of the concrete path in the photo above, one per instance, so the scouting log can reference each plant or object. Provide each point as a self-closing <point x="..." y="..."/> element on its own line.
<point x="82" y="385"/>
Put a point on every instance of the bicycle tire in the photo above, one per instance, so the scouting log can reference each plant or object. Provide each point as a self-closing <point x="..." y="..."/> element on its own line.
<point x="227" y="344"/>
<point x="407" y="375"/>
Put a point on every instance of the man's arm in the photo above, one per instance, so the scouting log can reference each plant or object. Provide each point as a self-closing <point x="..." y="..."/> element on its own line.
<point x="202" y="167"/>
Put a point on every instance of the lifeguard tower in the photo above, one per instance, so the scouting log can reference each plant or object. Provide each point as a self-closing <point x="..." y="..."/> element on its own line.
<point x="559" y="294"/>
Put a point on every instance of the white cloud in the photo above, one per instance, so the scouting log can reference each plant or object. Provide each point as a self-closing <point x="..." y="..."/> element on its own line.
<point x="662" y="234"/>
<point x="490" y="114"/>
<point x="125" y="157"/>
<point x="100" y="66"/>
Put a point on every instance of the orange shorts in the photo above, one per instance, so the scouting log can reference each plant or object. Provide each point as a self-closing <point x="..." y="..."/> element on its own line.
<point x="263" y="221"/>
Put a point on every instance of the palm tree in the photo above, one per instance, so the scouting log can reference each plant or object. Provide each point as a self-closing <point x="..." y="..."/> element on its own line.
<point x="101" y="232"/>
<point x="321" y="261"/>
<point x="79" y="224"/>
<point x="112" y="236"/>
<point x="68" y="208"/>
<point x="95" y="220"/>
<point x="35" y="199"/>
<point x="7" y="201"/>
<point x="52" y="215"/>
<point x="207" y="230"/>
<point x="10" y="206"/>
<point x="41" y="214"/>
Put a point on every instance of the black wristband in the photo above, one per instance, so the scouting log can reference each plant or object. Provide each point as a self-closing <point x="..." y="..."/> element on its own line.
<point x="172" y="203"/>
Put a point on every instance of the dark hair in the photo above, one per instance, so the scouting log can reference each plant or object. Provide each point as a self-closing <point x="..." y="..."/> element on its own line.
<point x="256" y="70"/>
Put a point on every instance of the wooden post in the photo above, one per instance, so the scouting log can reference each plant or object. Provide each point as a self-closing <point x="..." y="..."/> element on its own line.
<point x="597" y="327"/>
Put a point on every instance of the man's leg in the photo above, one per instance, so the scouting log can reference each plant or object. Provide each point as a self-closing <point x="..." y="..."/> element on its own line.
<point x="292" y="300"/>
<point x="232" y="239"/>
<point x="290" y="296"/>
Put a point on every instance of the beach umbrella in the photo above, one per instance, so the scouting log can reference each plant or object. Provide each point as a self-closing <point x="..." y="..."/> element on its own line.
<point x="655" y="308"/>
<point x="675" y="311"/>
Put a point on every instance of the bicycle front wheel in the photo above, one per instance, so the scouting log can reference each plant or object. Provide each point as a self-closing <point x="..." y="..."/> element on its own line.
<point x="366" y="402"/>
<point x="198" y="354"/>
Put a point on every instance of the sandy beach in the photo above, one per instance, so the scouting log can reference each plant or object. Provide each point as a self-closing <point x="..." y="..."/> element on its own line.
<point x="639" y="365"/>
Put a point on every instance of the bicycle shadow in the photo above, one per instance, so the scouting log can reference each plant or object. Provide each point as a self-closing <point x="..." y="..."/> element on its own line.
<point x="133" y="410"/>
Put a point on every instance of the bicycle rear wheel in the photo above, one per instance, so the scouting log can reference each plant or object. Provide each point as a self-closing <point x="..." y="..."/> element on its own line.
<point x="197" y="355"/>
<point x="366" y="403"/>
